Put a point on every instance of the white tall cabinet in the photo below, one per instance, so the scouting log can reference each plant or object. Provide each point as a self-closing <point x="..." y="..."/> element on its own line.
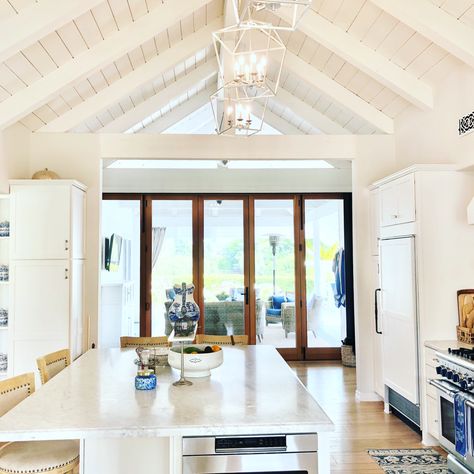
<point x="426" y="204"/>
<point x="48" y="258"/>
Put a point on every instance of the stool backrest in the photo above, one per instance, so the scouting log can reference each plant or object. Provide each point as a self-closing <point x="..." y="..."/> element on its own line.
<point x="225" y="340"/>
<point x="51" y="364"/>
<point x="14" y="390"/>
<point x="146" y="342"/>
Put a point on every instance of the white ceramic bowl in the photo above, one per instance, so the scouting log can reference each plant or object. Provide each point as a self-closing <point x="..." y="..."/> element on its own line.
<point x="195" y="365"/>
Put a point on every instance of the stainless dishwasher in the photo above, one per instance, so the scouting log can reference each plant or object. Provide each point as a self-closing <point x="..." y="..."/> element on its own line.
<point x="283" y="454"/>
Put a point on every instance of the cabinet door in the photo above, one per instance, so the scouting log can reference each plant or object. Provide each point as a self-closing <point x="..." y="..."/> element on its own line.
<point x="41" y="300"/>
<point x="41" y="222"/>
<point x="78" y="326"/>
<point x="388" y="204"/>
<point x="397" y="201"/>
<point x="406" y="199"/>
<point x="432" y="415"/>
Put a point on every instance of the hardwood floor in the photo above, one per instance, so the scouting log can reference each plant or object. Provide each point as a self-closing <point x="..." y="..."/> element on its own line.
<point x="359" y="426"/>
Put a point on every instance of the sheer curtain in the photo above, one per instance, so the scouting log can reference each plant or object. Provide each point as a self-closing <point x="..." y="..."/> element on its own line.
<point x="158" y="237"/>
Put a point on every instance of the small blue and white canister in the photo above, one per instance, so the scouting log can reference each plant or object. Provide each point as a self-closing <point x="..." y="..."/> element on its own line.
<point x="4" y="229"/>
<point x="145" y="380"/>
<point x="3" y="317"/>
<point x="3" y="272"/>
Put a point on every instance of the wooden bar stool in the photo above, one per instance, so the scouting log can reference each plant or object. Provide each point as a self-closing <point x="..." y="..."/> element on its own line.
<point x="128" y="341"/>
<point x="51" y="364"/>
<point x="53" y="457"/>
<point x="222" y="340"/>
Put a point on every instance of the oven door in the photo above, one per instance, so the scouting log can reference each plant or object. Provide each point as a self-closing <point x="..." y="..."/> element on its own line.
<point x="447" y="427"/>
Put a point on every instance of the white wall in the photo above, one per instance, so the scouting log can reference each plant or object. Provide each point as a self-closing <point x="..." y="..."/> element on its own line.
<point x="225" y="180"/>
<point x="432" y="136"/>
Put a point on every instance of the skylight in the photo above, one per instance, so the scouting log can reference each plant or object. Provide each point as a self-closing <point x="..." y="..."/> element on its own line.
<point x="215" y="164"/>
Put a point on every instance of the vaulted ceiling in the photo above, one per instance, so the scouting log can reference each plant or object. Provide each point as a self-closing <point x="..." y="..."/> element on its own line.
<point x="140" y="66"/>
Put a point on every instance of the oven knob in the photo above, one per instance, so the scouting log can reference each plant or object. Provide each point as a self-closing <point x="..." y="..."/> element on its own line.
<point x="444" y="370"/>
<point x="439" y="369"/>
<point x="449" y="374"/>
<point x="455" y="377"/>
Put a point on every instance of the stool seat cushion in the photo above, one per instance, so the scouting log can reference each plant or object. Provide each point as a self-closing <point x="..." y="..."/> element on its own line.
<point x="38" y="456"/>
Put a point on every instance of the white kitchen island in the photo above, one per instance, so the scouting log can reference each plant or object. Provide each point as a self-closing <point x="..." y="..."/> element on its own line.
<point x="123" y="430"/>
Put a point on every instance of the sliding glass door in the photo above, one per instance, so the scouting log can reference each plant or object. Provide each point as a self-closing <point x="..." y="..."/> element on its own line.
<point x="275" y="276"/>
<point x="325" y="276"/>
<point x="224" y="281"/>
<point x="171" y="256"/>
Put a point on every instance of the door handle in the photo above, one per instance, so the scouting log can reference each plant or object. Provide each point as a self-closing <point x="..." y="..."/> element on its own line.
<point x="246" y="294"/>
<point x="377" y="311"/>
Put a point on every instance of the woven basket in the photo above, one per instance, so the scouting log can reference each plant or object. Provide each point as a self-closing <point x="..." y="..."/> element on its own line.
<point x="465" y="335"/>
<point x="348" y="357"/>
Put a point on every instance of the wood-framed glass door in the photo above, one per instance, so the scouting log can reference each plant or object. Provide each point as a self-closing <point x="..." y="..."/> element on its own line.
<point x="275" y="268"/>
<point x="327" y="311"/>
<point x="224" y="278"/>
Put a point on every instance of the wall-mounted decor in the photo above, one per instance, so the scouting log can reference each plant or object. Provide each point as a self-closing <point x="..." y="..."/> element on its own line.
<point x="466" y="124"/>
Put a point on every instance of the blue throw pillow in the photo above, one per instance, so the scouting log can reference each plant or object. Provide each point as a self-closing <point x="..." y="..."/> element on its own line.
<point x="290" y="299"/>
<point x="277" y="301"/>
<point x="273" y="312"/>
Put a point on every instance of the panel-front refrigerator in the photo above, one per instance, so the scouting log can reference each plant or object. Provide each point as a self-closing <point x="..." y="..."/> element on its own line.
<point x="400" y="324"/>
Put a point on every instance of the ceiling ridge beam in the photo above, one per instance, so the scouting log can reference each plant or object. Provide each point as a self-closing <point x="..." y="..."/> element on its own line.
<point x="435" y="24"/>
<point x="19" y="31"/>
<point x="117" y="45"/>
<point x="364" y="58"/>
<point x="161" y="99"/>
<point x="180" y="112"/>
<point x="142" y="75"/>
<point x="308" y="113"/>
<point x="340" y="94"/>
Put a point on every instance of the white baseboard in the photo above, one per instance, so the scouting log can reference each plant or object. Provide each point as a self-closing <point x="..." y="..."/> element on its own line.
<point x="367" y="396"/>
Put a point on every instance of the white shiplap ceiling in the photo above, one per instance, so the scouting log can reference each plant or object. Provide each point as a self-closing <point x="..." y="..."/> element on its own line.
<point x="141" y="66"/>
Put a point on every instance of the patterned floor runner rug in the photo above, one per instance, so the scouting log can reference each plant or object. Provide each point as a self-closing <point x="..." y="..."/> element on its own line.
<point x="410" y="461"/>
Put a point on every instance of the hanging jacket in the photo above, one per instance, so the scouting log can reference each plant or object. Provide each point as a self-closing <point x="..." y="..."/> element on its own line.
<point x="338" y="267"/>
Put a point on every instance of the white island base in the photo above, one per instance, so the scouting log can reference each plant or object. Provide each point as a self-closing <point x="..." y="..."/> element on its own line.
<point x="123" y="430"/>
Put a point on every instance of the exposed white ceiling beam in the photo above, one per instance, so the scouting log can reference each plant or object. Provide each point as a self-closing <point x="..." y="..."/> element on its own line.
<point x="180" y="112"/>
<point x="144" y="28"/>
<point x="36" y="21"/>
<point x="435" y="24"/>
<point x="344" y="97"/>
<point x="364" y="58"/>
<point x="160" y="100"/>
<point x="306" y="112"/>
<point x="133" y="80"/>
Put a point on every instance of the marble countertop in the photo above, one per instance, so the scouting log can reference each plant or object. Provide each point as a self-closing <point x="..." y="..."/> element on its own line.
<point x="253" y="392"/>
<point x="445" y="345"/>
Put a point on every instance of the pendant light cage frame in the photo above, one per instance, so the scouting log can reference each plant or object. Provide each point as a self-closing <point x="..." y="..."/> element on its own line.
<point x="244" y="53"/>
<point x="292" y="11"/>
<point x="238" y="110"/>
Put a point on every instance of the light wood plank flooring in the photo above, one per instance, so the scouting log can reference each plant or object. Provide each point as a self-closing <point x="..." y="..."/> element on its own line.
<point x="358" y="426"/>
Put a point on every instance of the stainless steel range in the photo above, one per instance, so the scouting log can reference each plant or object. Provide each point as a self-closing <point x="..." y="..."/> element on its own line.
<point x="456" y="374"/>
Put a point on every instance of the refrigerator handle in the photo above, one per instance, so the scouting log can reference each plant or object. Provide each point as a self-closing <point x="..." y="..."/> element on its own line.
<point x="377" y="311"/>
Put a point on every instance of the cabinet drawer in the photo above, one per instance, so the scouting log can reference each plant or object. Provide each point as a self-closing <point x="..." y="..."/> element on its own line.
<point x="397" y="201"/>
<point x="430" y="357"/>
<point x="432" y="415"/>
<point x="430" y="373"/>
